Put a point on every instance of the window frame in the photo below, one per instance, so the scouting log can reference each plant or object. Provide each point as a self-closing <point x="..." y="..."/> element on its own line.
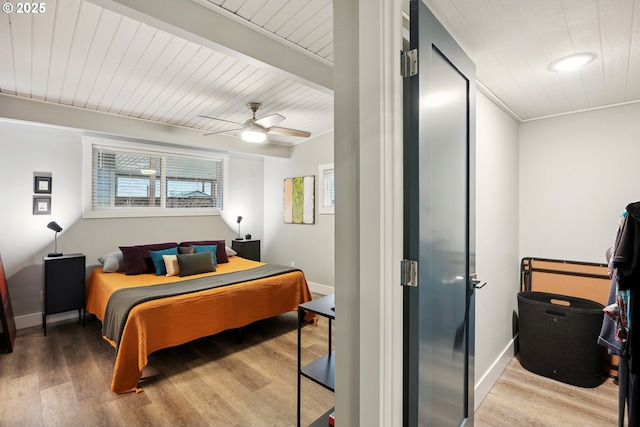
<point x="153" y="149"/>
<point x="322" y="172"/>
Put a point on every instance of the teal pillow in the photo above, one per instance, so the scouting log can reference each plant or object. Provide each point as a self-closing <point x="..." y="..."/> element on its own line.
<point x="158" y="262"/>
<point x="207" y="248"/>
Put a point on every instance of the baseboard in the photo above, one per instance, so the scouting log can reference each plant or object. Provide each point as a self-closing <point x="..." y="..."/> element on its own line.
<point x="321" y="289"/>
<point x="35" y="319"/>
<point x="488" y="380"/>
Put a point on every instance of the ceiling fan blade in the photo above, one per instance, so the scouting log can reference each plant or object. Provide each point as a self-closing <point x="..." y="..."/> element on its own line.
<point x="270" y="120"/>
<point x="222" y="120"/>
<point x="288" y="132"/>
<point x="222" y="131"/>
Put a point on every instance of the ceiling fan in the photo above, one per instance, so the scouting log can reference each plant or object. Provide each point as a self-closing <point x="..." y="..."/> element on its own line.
<point x="256" y="130"/>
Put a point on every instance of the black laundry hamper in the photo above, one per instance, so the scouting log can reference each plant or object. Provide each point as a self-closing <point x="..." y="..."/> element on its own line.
<point x="558" y="337"/>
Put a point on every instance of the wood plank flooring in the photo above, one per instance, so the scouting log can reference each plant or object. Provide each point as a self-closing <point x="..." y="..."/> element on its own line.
<point x="63" y="380"/>
<point x="521" y="398"/>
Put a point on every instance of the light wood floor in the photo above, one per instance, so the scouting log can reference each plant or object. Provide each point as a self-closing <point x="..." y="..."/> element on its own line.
<point x="521" y="398"/>
<point x="63" y="380"/>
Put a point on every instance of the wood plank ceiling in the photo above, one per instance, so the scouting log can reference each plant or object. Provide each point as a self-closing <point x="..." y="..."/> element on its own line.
<point x="83" y="55"/>
<point x="80" y="53"/>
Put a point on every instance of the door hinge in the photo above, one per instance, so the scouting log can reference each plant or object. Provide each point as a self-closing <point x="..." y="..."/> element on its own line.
<point x="409" y="63"/>
<point x="409" y="272"/>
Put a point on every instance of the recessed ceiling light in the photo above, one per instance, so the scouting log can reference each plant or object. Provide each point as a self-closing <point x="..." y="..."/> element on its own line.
<point x="572" y="62"/>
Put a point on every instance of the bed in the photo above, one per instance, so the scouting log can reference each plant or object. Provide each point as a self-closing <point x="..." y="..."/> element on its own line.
<point x="176" y="318"/>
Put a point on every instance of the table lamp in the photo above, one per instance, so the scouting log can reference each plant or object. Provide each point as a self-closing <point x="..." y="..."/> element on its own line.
<point x="55" y="227"/>
<point x="239" y="220"/>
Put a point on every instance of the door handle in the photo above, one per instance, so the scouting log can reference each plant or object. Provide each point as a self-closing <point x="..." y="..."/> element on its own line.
<point x="478" y="284"/>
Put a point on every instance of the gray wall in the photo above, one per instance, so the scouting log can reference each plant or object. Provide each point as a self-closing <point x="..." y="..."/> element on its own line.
<point x="310" y="246"/>
<point x="577" y="173"/>
<point x="496" y="241"/>
<point x="26" y="148"/>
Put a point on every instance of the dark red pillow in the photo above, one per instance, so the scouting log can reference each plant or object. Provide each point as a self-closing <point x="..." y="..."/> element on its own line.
<point x="221" y="251"/>
<point x="137" y="259"/>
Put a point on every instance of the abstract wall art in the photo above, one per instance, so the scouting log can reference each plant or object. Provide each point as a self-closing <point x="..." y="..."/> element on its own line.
<point x="299" y="200"/>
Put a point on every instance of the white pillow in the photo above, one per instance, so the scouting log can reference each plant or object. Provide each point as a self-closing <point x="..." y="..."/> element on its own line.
<point x="230" y="252"/>
<point x="171" y="264"/>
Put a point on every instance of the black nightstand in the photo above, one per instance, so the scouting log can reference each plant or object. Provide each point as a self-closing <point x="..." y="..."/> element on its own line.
<point x="249" y="249"/>
<point x="64" y="278"/>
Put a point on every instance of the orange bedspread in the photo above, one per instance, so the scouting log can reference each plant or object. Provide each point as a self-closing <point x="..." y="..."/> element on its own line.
<point x="168" y="322"/>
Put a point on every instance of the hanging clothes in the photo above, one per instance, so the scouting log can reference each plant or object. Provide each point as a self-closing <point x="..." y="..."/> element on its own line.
<point x="626" y="263"/>
<point x="615" y="326"/>
<point x="611" y="334"/>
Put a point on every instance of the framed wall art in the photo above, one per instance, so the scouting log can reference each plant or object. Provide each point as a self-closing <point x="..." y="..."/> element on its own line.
<point x="299" y="200"/>
<point x="42" y="205"/>
<point x="42" y="182"/>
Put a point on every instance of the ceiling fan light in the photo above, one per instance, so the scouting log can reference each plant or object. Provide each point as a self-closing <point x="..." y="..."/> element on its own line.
<point x="254" y="134"/>
<point x="571" y="62"/>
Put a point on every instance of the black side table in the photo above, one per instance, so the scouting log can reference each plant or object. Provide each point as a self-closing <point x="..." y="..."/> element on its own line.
<point x="249" y="249"/>
<point x="320" y="371"/>
<point x="64" y="278"/>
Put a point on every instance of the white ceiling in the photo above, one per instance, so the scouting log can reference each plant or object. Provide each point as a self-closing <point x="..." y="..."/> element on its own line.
<point x="169" y="61"/>
<point x="512" y="43"/>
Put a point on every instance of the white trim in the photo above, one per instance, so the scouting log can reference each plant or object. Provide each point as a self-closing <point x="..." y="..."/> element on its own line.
<point x="321" y="289"/>
<point x="584" y="110"/>
<point x="485" y="384"/>
<point x="322" y="209"/>
<point x="35" y="319"/>
<point x="392" y="207"/>
<point x="497" y="101"/>
<point x="380" y="213"/>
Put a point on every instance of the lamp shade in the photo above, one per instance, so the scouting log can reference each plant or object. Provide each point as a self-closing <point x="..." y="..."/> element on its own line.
<point x="54" y="226"/>
<point x="239" y="219"/>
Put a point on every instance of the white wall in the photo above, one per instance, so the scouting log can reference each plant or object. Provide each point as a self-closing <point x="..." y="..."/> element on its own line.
<point x="25" y="148"/>
<point x="497" y="260"/>
<point x="310" y="246"/>
<point x="577" y="173"/>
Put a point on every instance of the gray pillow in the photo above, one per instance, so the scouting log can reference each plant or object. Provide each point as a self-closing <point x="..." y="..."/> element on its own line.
<point x="112" y="262"/>
<point x="195" y="263"/>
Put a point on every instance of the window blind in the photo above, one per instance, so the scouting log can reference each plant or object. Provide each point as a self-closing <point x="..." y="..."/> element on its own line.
<point x="125" y="179"/>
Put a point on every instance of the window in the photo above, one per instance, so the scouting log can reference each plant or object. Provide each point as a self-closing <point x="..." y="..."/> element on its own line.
<point x="136" y="180"/>
<point x="327" y="189"/>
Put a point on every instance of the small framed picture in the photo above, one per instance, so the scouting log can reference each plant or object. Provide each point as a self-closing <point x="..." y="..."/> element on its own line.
<point x="42" y="184"/>
<point x="42" y="205"/>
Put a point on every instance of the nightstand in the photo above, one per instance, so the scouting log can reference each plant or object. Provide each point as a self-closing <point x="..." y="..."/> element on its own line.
<point x="249" y="249"/>
<point x="64" y="278"/>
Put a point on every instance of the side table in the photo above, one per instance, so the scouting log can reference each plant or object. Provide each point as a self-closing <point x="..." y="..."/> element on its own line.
<point x="64" y="278"/>
<point x="320" y="371"/>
